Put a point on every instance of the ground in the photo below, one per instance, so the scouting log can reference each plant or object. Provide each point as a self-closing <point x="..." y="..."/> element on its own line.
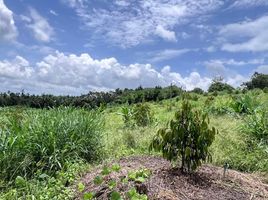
<point x="167" y="182"/>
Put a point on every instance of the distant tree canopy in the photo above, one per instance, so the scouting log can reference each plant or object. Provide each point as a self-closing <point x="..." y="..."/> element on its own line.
<point x="197" y="90"/>
<point x="92" y="99"/>
<point x="258" y="80"/>
<point x="218" y="85"/>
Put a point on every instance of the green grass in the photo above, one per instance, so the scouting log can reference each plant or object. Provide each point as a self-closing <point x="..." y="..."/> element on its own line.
<point x="61" y="143"/>
<point x="33" y="141"/>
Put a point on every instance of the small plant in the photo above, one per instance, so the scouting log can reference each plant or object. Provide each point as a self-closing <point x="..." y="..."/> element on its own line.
<point x="142" y="114"/>
<point x="188" y="137"/>
<point x="106" y="180"/>
<point x="139" y="176"/>
<point x="127" y="114"/>
<point x="134" y="195"/>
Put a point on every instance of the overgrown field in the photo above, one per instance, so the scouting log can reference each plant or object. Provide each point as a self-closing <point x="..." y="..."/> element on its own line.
<point x="42" y="152"/>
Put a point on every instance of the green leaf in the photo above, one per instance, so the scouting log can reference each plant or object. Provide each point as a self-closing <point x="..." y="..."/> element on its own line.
<point x="98" y="180"/>
<point x="132" y="176"/>
<point x="88" y="196"/>
<point x="134" y="195"/>
<point x="140" y="179"/>
<point x="20" y="182"/>
<point x="112" y="184"/>
<point x="105" y="170"/>
<point x="131" y="193"/>
<point x="116" y="167"/>
<point x="43" y="176"/>
<point x="115" y="196"/>
<point x="81" y="187"/>
<point x="188" y="151"/>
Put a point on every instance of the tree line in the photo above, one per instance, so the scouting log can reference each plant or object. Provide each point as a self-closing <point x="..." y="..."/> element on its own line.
<point x="120" y="96"/>
<point x="92" y="99"/>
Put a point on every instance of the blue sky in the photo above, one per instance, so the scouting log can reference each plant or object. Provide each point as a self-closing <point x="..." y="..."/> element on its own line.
<point x="73" y="46"/>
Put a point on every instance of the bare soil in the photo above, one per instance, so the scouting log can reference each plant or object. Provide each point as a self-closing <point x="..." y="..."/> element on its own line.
<point x="167" y="183"/>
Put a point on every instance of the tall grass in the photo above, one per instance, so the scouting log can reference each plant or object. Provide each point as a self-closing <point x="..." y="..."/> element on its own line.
<point x="44" y="140"/>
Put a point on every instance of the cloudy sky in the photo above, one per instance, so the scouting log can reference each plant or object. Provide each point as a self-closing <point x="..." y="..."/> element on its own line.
<point x="73" y="46"/>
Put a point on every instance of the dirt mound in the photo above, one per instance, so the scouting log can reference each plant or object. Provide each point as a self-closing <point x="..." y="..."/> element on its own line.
<point x="166" y="182"/>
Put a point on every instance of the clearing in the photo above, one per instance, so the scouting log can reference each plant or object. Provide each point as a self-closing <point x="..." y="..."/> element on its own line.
<point x="169" y="183"/>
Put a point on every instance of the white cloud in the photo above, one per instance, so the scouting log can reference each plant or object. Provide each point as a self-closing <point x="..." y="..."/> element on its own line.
<point x="262" y="69"/>
<point x="233" y="62"/>
<point x="59" y="73"/>
<point x="8" y="29"/>
<point x="17" y="68"/>
<point x="168" y="54"/>
<point x="248" y="3"/>
<point x="210" y="49"/>
<point x="217" y="68"/>
<point x="25" y="18"/>
<point x="53" y="12"/>
<point x="122" y="3"/>
<point x="129" y="24"/>
<point x="74" y="3"/>
<point x="254" y="34"/>
<point x="40" y="27"/>
<point x="165" y="34"/>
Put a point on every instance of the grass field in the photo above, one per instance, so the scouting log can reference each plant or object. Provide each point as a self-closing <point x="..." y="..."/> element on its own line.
<point x="44" y="151"/>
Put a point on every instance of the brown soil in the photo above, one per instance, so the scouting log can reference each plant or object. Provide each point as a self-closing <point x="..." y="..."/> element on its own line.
<point x="169" y="183"/>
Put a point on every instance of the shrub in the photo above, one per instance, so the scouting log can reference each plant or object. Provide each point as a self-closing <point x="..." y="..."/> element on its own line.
<point x="256" y="125"/>
<point x="142" y="114"/>
<point x="127" y="114"/>
<point x="44" y="140"/>
<point x="244" y="104"/>
<point x="198" y="91"/>
<point x="218" y="85"/>
<point x="188" y="137"/>
<point x="219" y="106"/>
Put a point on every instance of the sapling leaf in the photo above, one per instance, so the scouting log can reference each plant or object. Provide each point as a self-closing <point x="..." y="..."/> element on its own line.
<point x="116" y="167"/>
<point x="88" y="196"/>
<point x="112" y="184"/>
<point x="116" y="196"/>
<point x="98" y="180"/>
<point x="81" y="187"/>
<point x="105" y="170"/>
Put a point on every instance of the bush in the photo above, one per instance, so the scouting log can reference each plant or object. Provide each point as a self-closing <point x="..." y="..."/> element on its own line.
<point x="188" y="137"/>
<point x="219" y="106"/>
<point x="44" y="140"/>
<point x="198" y="91"/>
<point x="127" y="114"/>
<point x="244" y="104"/>
<point x="142" y="114"/>
<point x="256" y="125"/>
<point x="218" y="85"/>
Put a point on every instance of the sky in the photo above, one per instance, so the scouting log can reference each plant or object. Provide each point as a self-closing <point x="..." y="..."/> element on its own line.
<point x="71" y="47"/>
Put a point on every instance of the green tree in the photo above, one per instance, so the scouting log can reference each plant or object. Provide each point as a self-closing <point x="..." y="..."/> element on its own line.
<point x="218" y="85"/>
<point x="198" y="91"/>
<point x="258" y="80"/>
<point x="142" y="114"/>
<point x="188" y="137"/>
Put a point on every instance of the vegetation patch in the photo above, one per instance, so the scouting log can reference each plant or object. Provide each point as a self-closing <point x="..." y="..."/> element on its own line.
<point x="161" y="181"/>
